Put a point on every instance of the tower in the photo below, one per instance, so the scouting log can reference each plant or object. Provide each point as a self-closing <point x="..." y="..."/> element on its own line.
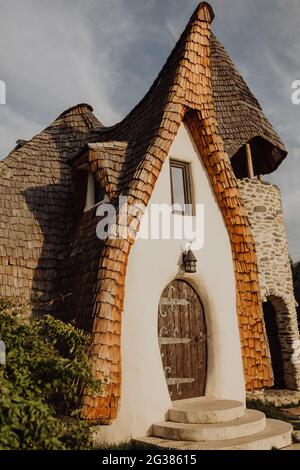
<point x="255" y="149"/>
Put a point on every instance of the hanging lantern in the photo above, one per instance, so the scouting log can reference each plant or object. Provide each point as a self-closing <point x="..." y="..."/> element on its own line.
<point x="189" y="262"/>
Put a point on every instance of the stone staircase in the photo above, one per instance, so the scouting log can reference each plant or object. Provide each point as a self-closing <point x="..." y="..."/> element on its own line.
<point x="213" y="424"/>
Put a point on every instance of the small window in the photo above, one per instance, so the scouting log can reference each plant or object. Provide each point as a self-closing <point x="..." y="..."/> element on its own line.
<point x="94" y="193"/>
<point x="181" y="187"/>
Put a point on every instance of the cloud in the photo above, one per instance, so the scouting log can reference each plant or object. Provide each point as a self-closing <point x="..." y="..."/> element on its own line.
<point x="57" y="53"/>
<point x="14" y="126"/>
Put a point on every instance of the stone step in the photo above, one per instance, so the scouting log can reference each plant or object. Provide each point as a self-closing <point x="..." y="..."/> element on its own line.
<point x="251" y="423"/>
<point x="276" y="435"/>
<point x="292" y="447"/>
<point x="205" y="410"/>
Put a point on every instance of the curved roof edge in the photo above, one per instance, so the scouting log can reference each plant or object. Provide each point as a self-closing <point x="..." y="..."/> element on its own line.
<point x="73" y="108"/>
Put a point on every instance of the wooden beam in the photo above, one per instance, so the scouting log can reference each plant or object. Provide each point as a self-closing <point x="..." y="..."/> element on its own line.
<point x="249" y="161"/>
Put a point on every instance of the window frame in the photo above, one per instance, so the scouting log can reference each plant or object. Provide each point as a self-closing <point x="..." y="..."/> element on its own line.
<point x="187" y="185"/>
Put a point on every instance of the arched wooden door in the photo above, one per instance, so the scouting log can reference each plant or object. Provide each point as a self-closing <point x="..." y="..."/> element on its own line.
<point x="182" y="339"/>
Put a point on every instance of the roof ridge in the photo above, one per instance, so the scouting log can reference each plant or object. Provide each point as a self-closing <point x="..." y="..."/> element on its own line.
<point x="73" y="108"/>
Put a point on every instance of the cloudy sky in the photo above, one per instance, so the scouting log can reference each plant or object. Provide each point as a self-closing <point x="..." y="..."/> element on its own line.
<point x="56" y="53"/>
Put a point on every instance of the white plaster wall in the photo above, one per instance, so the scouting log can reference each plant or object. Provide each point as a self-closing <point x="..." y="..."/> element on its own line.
<point x="152" y="265"/>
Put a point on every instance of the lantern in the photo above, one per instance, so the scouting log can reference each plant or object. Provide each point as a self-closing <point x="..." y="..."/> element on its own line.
<point x="189" y="262"/>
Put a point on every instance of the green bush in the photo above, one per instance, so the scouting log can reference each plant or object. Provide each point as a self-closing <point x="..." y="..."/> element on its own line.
<point x="46" y="370"/>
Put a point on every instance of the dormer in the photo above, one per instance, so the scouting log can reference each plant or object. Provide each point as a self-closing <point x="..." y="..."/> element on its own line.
<point x="94" y="193"/>
<point x="88" y="192"/>
<point x="96" y="173"/>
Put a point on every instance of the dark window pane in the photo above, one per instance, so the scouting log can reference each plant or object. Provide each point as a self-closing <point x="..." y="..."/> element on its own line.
<point x="98" y="192"/>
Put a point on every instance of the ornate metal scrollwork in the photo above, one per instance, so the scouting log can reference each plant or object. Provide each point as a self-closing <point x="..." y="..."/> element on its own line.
<point x="163" y="332"/>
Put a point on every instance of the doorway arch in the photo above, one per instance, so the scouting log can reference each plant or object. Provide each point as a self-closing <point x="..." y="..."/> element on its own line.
<point x="273" y="307"/>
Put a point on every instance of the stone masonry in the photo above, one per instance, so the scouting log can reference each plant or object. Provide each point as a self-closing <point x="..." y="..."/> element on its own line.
<point x="263" y="204"/>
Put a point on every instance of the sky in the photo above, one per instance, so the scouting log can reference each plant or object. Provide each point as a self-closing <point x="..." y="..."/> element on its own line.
<point x="57" y="53"/>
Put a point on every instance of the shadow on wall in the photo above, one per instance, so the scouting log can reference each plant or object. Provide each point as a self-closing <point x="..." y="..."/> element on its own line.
<point x="55" y="208"/>
<point x="50" y="206"/>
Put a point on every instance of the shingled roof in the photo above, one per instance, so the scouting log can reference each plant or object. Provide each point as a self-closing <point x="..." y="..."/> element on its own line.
<point x="36" y="206"/>
<point x="240" y="116"/>
<point x="49" y="245"/>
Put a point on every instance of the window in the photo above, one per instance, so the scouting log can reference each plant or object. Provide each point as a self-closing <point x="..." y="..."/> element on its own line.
<point x="181" y="187"/>
<point x="94" y="193"/>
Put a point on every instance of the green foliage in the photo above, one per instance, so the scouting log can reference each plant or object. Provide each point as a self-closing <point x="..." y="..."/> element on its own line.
<point x="46" y="370"/>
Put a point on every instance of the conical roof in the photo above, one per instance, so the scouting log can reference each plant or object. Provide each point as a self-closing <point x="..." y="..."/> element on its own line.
<point x="240" y="116"/>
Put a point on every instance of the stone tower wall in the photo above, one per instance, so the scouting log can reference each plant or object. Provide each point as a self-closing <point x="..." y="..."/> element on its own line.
<point x="263" y="204"/>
